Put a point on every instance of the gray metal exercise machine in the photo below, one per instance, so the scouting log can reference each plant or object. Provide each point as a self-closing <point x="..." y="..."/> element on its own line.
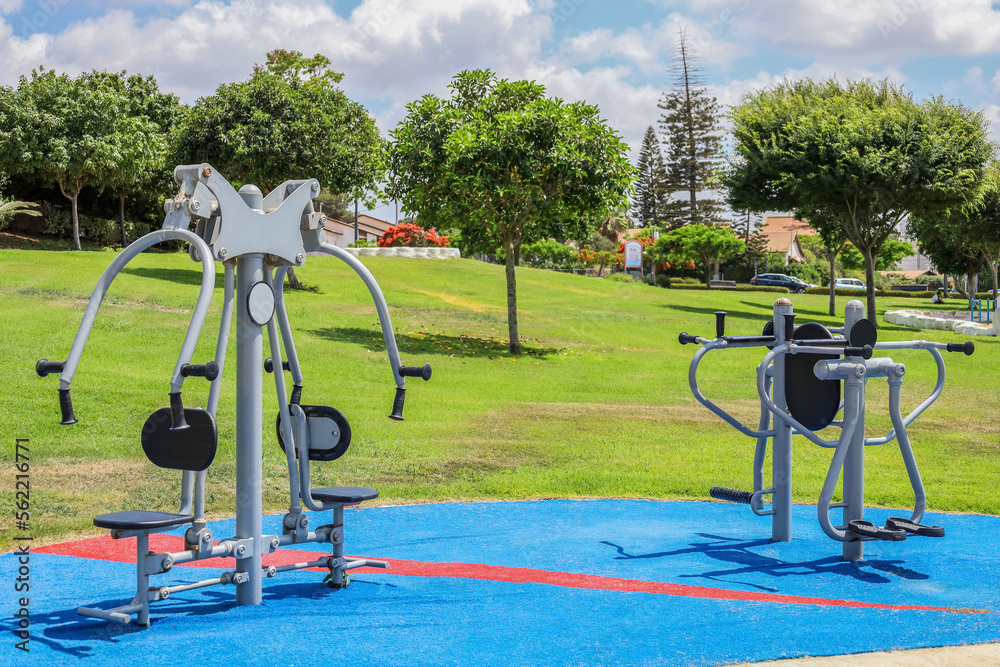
<point x="799" y="383"/>
<point x="257" y="239"/>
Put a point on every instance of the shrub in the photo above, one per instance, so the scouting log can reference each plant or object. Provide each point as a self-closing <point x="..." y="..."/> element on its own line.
<point x="621" y="278"/>
<point x="363" y="243"/>
<point x="663" y="280"/>
<point x="549" y="254"/>
<point x="410" y="235"/>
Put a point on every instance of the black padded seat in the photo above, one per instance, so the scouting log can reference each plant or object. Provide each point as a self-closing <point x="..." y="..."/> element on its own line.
<point x="141" y="520"/>
<point x="344" y="494"/>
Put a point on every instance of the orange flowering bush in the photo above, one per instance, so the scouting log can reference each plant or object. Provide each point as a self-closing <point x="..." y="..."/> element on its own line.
<point x="411" y="235"/>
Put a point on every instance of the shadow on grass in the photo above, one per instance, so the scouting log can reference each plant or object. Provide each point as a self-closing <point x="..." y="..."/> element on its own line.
<point x="426" y="342"/>
<point x="711" y="311"/>
<point x="177" y="276"/>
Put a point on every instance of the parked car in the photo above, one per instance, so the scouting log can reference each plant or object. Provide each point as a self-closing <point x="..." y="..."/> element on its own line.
<point x="780" y="280"/>
<point x="849" y="283"/>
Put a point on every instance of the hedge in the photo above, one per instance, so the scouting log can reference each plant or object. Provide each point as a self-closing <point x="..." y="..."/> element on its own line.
<point x="738" y="288"/>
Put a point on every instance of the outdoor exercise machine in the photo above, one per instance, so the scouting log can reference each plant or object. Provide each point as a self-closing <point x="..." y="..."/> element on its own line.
<point x="257" y="239"/>
<point x="799" y="383"/>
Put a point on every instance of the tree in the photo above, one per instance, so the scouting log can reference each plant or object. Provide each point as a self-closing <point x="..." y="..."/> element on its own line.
<point x="507" y="165"/>
<point x="960" y="242"/>
<point x="832" y="239"/>
<point x="860" y="155"/>
<point x="138" y="147"/>
<point x="692" y="134"/>
<point x="709" y="243"/>
<point x="889" y="255"/>
<point x="287" y="121"/>
<point x="61" y="131"/>
<point x="650" y="198"/>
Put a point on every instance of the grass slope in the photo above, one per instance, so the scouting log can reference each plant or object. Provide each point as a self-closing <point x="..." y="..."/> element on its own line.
<point x="599" y="407"/>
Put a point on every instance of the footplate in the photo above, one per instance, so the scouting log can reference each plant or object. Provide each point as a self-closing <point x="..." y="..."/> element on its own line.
<point x="914" y="528"/>
<point x="730" y="495"/>
<point x="869" y="530"/>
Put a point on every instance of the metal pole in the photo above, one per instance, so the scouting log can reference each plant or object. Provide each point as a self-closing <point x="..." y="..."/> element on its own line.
<point x="249" y="428"/>
<point x="355" y="220"/>
<point x="781" y="463"/>
<point x="854" y="463"/>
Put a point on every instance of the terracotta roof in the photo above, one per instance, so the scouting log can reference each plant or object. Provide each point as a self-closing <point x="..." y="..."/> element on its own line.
<point x="786" y="223"/>
<point x="910" y="275"/>
<point x="365" y="222"/>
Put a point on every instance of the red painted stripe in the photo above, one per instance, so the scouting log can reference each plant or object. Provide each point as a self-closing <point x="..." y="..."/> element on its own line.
<point x="123" y="551"/>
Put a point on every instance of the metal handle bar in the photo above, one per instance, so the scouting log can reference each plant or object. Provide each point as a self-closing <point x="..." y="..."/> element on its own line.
<point x="109" y="275"/>
<point x="380" y="305"/>
<point x="728" y="418"/>
<point x="852" y="414"/>
<point x="932" y="348"/>
<point x="775" y="410"/>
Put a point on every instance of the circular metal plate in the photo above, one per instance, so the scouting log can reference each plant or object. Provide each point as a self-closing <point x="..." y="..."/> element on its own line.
<point x="260" y="304"/>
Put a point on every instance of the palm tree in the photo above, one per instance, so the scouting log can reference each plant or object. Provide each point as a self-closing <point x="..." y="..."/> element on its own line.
<point x="8" y="209"/>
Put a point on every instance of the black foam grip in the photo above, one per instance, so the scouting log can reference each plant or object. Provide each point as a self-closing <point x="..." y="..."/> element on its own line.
<point x="296" y="394"/>
<point x="968" y="347"/>
<point x="66" y="406"/>
<point x="177" y="412"/>
<point x="44" y="367"/>
<point x="397" y="404"/>
<point x="209" y="371"/>
<point x="416" y="371"/>
<point x="686" y="338"/>
<point x="730" y="495"/>
<point x="269" y="365"/>
<point x="720" y="323"/>
<point x="863" y="352"/>
<point x="789" y="326"/>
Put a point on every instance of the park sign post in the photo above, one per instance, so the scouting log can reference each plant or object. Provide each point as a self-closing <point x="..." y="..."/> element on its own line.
<point x="633" y="257"/>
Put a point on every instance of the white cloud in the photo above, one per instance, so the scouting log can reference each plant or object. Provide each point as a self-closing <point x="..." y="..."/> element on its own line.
<point x="870" y="30"/>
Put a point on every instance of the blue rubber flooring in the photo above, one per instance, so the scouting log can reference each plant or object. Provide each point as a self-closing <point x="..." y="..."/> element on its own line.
<point x="387" y="619"/>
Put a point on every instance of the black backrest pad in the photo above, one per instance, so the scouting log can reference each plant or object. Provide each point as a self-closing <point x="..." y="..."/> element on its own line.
<point x="813" y="402"/>
<point x="329" y="432"/>
<point x="191" y="448"/>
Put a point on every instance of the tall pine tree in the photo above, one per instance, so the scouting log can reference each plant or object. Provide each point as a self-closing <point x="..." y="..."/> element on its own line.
<point x="650" y="202"/>
<point x="692" y="135"/>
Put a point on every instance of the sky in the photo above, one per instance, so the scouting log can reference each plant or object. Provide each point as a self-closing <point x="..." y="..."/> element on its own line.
<point x="612" y="54"/>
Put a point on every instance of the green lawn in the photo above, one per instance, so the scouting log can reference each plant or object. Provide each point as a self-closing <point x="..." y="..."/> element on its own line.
<point x="599" y="407"/>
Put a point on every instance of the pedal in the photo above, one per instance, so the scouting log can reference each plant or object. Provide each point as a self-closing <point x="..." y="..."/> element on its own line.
<point x="873" y="532"/>
<point x="730" y="495"/>
<point x="913" y="528"/>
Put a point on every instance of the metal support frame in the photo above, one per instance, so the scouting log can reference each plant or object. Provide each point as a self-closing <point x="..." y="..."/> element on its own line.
<point x="257" y="239"/>
<point x="849" y="449"/>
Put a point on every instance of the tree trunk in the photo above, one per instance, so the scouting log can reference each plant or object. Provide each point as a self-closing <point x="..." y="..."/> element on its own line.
<point x="708" y="271"/>
<point x="833" y="290"/>
<point x="993" y="275"/>
<point x="121" y="217"/>
<point x="870" y="280"/>
<point x="511" y="250"/>
<point x="76" y="219"/>
<point x="293" y="280"/>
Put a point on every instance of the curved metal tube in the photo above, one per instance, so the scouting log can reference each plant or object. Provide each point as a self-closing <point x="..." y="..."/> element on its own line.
<point x="380" y="306"/>
<point x="222" y="344"/>
<point x="729" y="419"/>
<point x="781" y="414"/>
<point x="760" y="452"/>
<point x="302" y="428"/>
<point x="286" y="329"/>
<point x="104" y="283"/>
<point x="938" y="387"/>
<point x="286" y="421"/>
<point x="851" y="415"/>
<point x="895" y="413"/>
